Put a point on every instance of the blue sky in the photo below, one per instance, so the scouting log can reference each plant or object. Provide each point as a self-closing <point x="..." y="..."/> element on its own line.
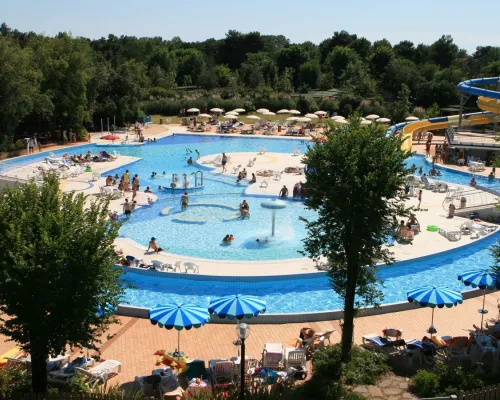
<point x="471" y="24"/>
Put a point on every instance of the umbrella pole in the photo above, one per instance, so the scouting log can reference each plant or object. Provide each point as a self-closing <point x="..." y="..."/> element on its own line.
<point x="482" y="310"/>
<point x="178" y="346"/>
<point x="432" y="323"/>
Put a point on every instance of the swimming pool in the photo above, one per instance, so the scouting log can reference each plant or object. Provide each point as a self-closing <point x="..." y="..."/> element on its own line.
<point x="203" y="240"/>
<point x="308" y="292"/>
<point x="300" y="293"/>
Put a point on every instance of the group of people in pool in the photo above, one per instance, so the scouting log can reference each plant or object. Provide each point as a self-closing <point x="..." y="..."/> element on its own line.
<point x="228" y="238"/>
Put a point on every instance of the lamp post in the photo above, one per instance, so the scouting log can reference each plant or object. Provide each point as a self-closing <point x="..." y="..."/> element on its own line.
<point x="242" y="331"/>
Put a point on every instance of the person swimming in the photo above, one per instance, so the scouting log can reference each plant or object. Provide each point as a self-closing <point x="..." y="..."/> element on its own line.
<point x="262" y="242"/>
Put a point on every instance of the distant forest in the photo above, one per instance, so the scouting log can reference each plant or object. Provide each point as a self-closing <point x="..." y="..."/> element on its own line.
<point x="52" y="83"/>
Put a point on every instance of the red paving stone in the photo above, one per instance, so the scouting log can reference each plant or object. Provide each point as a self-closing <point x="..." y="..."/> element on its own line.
<point x="134" y="341"/>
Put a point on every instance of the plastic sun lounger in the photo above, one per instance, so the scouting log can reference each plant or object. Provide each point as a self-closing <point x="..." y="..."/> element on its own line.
<point x="452" y="235"/>
<point x="101" y="373"/>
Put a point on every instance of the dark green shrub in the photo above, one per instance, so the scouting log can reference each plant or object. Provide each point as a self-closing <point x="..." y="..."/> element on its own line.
<point x="425" y="384"/>
<point x="453" y="379"/>
<point x="354" y="396"/>
<point x="13" y="380"/>
<point x="20" y="144"/>
<point x="364" y="368"/>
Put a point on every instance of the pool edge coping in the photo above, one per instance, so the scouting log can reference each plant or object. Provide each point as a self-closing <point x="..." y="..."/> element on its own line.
<point x="314" y="316"/>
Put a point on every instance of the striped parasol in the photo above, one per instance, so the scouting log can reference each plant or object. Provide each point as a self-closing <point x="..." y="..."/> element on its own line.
<point x="431" y="296"/>
<point x="483" y="279"/>
<point x="237" y="306"/>
<point x="179" y="316"/>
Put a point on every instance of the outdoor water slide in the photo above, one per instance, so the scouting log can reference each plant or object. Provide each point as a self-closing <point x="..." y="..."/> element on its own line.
<point x="488" y="101"/>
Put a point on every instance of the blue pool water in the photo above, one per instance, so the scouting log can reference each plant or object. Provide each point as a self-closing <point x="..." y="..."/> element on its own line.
<point x="311" y="292"/>
<point x="307" y="293"/>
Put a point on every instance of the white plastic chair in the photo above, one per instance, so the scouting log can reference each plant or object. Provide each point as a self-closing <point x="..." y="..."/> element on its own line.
<point x="96" y="176"/>
<point x="272" y="356"/>
<point x="160" y="266"/>
<point x="295" y="358"/>
<point x="192" y="266"/>
<point x="262" y="151"/>
<point x="296" y="152"/>
<point x="236" y="169"/>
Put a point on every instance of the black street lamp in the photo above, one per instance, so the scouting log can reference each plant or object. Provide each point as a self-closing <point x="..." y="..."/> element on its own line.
<point x="242" y="331"/>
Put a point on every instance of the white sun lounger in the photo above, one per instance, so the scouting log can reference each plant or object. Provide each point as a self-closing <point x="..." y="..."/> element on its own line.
<point x="101" y="373"/>
<point x="451" y="234"/>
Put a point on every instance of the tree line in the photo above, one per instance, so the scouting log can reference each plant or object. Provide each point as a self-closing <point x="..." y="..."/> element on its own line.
<point x="65" y="82"/>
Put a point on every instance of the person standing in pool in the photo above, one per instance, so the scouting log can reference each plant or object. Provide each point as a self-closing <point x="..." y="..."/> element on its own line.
<point x="184" y="201"/>
<point x="284" y="192"/>
<point x="224" y="162"/>
<point x="197" y="155"/>
<point x="127" y="208"/>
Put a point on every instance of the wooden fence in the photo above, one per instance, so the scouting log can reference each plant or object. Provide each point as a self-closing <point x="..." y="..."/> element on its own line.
<point x="486" y="393"/>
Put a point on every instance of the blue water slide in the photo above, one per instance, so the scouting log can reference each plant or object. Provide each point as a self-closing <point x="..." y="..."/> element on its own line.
<point x="469" y="87"/>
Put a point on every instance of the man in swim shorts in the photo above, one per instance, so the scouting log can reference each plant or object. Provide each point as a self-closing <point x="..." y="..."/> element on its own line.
<point x="154" y="246"/>
<point x="127" y="208"/>
<point x="224" y="162"/>
<point x="184" y="201"/>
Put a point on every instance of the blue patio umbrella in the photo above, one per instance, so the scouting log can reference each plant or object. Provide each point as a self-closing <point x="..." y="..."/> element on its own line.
<point x="179" y="316"/>
<point x="483" y="279"/>
<point x="237" y="306"/>
<point x="431" y="296"/>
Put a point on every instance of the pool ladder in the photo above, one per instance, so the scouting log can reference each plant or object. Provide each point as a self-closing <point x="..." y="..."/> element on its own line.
<point x="198" y="175"/>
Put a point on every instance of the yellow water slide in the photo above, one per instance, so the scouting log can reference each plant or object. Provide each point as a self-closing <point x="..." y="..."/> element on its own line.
<point x="488" y="101"/>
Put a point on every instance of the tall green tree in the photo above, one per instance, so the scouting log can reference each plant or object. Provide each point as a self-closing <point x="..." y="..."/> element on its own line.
<point x="354" y="182"/>
<point x="19" y="84"/>
<point x="401" y="107"/>
<point x="58" y="286"/>
<point x="67" y="67"/>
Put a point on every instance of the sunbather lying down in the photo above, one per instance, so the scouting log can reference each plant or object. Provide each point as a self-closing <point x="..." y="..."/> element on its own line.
<point x="293" y="170"/>
<point x="265" y="172"/>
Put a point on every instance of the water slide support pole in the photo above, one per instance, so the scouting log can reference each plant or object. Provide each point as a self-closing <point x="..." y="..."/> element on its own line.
<point x="460" y="112"/>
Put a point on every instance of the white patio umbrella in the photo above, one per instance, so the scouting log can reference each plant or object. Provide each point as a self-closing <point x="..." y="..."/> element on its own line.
<point x="337" y="117"/>
<point x="372" y="116"/>
<point x="262" y="110"/>
<point x="232" y="113"/>
<point x="366" y="122"/>
<point x="193" y="110"/>
<point x="216" y="110"/>
<point x="312" y="116"/>
<point x="239" y="110"/>
<point x="340" y="121"/>
<point x="295" y="112"/>
<point x="292" y="119"/>
<point x="283" y="111"/>
<point x="412" y="118"/>
<point x="230" y="117"/>
<point x="253" y="117"/>
<point x="304" y="119"/>
<point x="269" y="113"/>
<point x="383" y="120"/>
<point x="320" y="113"/>
<point x="204" y="116"/>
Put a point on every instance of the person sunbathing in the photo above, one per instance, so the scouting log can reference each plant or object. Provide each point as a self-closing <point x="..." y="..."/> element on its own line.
<point x="291" y="170"/>
<point x="265" y="173"/>
<point x="153" y="245"/>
